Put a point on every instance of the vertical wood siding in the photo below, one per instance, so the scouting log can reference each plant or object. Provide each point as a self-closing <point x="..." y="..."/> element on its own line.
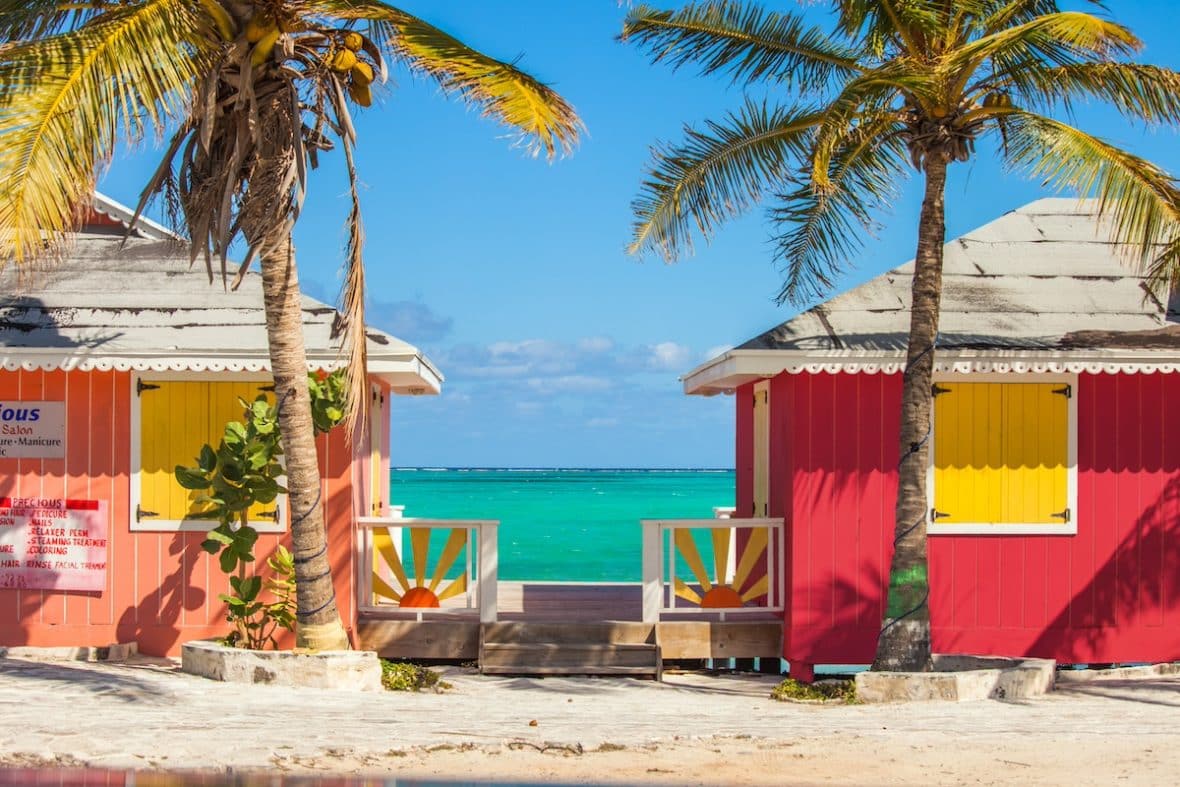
<point x="1109" y="593"/>
<point x="161" y="588"/>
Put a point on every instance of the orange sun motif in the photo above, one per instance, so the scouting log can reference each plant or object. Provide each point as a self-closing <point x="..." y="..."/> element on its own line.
<point x="388" y="569"/>
<point x="720" y="591"/>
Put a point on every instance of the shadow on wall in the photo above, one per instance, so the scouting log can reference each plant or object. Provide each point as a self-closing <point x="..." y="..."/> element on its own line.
<point x="155" y="621"/>
<point x="1133" y="597"/>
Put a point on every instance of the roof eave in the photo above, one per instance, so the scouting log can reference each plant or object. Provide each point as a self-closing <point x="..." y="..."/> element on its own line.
<point x="735" y="368"/>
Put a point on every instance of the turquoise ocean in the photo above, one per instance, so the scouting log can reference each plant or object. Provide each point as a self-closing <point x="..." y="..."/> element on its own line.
<point x="575" y="525"/>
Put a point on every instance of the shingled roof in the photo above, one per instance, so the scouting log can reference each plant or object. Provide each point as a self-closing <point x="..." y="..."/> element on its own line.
<point x="1039" y="287"/>
<point x="139" y="305"/>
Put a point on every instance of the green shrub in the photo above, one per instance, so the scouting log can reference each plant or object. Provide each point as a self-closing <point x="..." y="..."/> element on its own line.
<point x="403" y="676"/>
<point x="820" y="691"/>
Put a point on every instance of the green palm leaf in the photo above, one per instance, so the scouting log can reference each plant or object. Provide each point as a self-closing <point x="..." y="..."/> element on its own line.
<point x="1140" y="92"/>
<point x="742" y="40"/>
<point x="716" y="174"/>
<point x="546" y="122"/>
<point x="1142" y="200"/>
<point x="64" y="102"/>
<point x="819" y="231"/>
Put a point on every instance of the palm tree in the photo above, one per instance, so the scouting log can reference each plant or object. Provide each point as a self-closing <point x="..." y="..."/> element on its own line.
<point x="251" y="94"/>
<point x="897" y="84"/>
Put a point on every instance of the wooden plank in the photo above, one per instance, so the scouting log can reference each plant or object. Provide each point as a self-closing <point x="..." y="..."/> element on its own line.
<point x="420" y="640"/>
<point x="705" y="639"/>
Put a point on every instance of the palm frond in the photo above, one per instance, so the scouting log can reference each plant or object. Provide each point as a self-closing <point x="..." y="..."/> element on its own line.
<point x="1142" y="201"/>
<point x="1007" y="13"/>
<point x="716" y="174"/>
<point x="903" y="26"/>
<point x="546" y="121"/>
<point x="1063" y="38"/>
<point x="896" y="83"/>
<point x="743" y="40"/>
<point x="24" y="19"/>
<point x="64" y="102"/>
<point x="819" y="231"/>
<point x="1140" y="92"/>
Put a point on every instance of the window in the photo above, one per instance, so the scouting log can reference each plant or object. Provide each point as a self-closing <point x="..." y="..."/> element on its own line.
<point x="171" y="419"/>
<point x="1004" y="457"/>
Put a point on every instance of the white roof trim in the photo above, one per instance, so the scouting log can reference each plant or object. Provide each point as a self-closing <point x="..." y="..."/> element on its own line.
<point x="409" y="374"/>
<point x="726" y="372"/>
<point x="143" y="226"/>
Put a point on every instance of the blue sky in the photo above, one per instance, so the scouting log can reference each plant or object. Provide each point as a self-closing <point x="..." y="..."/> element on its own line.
<point x="511" y="274"/>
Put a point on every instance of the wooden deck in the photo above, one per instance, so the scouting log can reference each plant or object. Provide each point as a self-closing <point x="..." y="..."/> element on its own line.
<point x="571" y="612"/>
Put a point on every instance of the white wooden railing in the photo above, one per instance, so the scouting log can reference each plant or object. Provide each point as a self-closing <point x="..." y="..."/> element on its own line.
<point x="385" y="583"/>
<point x="745" y="576"/>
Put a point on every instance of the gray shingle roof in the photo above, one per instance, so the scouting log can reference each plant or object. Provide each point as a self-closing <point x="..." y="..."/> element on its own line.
<point x="139" y="305"/>
<point x="1041" y="277"/>
<point x="1040" y="282"/>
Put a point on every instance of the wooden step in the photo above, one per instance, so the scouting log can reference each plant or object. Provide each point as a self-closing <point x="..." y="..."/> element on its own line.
<point x="574" y="633"/>
<point x="551" y="658"/>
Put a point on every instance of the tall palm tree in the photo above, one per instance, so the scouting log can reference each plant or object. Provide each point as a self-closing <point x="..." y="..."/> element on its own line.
<point x="896" y="84"/>
<point x="250" y="93"/>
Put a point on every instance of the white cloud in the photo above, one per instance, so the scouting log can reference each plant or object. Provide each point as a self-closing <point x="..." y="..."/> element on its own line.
<point x="668" y="356"/>
<point x="602" y="423"/>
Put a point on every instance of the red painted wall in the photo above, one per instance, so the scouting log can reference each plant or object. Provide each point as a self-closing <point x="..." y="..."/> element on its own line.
<point x="1109" y="593"/>
<point x="161" y="588"/>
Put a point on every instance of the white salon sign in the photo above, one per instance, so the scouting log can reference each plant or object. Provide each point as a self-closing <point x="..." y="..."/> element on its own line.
<point x="53" y="543"/>
<point x="32" y="430"/>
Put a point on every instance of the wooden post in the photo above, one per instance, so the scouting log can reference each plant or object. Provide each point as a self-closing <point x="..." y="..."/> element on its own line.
<point x="653" y="587"/>
<point x="489" y="570"/>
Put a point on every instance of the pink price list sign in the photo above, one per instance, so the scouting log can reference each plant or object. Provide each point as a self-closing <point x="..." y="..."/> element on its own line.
<point x="53" y="543"/>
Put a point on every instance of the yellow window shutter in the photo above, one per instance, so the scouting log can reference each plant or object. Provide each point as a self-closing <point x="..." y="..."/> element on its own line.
<point x="762" y="449"/>
<point x="174" y="422"/>
<point x="176" y="418"/>
<point x="967" y="452"/>
<point x="1035" y="453"/>
<point x="223" y="407"/>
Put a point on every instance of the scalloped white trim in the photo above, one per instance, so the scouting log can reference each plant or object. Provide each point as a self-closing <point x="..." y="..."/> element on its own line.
<point x="989" y="367"/>
<point x="144" y="365"/>
<point x="733" y="368"/>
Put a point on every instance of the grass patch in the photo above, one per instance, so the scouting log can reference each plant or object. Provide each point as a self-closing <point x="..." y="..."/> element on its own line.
<point x="791" y="690"/>
<point x="404" y="676"/>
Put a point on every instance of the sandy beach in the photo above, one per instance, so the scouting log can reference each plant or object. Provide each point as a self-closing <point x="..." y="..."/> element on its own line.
<point x="690" y="729"/>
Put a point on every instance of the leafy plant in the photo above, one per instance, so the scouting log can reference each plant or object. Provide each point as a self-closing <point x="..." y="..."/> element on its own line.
<point x="255" y="622"/>
<point x="404" y="676"/>
<point x="243" y="471"/>
<point x="791" y="690"/>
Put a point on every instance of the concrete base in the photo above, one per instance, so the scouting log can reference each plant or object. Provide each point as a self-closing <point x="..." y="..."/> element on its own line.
<point x="959" y="678"/>
<point x="1142" y="672"/>
<point x="116" y="652"/>
<point x="343" y="669"/>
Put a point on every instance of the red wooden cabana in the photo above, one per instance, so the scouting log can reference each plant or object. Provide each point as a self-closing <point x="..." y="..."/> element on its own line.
<point x="1055" y="472"/>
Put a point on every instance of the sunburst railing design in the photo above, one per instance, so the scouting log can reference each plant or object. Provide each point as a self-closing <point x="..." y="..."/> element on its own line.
<point x="458" y="577"/>
<point x="419" y="594"/>
<point x="728" y="586"/>
<point x="740" y="572"/>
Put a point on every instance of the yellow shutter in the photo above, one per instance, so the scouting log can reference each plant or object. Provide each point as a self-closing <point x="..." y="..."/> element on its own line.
<point x="176" y="418"/>
<point x="1000" y="453"/>
<point x="378" y="485"/>
<point x="761" y="449"/>
<point x="1035" y="453"/>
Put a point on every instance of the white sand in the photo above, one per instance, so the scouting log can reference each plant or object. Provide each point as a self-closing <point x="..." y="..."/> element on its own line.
<point x="692" y="729"/>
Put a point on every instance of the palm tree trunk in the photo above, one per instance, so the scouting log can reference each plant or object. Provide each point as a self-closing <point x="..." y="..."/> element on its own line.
<point x="319" y="626"/>
<point x="904" y="643"/>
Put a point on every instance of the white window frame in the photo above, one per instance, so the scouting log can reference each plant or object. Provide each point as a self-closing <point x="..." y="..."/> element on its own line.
<point x="1069" y="528"/>
<point x="186" y="525"/>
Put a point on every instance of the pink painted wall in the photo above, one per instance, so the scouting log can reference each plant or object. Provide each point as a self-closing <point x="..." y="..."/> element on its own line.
<point x="161" y="588"/>
<point x="1109" y="593"/>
